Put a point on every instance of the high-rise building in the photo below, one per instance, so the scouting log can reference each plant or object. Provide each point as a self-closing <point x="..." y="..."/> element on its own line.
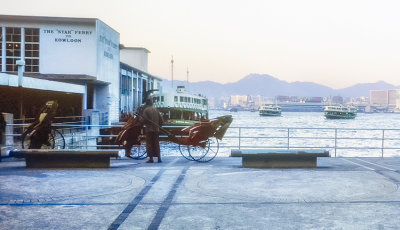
<point x="239" y="100"/>
<point x="378" y="97"/>
<point x="389" y="99"/>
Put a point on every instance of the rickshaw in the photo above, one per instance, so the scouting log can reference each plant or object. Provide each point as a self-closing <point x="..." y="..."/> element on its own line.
<point x="198" y="142"/>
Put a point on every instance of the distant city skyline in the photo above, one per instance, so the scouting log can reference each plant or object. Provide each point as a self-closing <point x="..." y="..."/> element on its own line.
<point x="334" y="43"/>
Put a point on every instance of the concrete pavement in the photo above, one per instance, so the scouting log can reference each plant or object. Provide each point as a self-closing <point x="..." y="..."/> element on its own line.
<point x="342" y="193"/>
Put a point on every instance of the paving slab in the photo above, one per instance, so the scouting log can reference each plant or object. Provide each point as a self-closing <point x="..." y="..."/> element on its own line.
<point x="341" y="193"/>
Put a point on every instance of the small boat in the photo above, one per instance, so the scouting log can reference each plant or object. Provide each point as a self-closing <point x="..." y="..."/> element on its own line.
<point x="340" y="112"/>
<point x="270" y="110"/>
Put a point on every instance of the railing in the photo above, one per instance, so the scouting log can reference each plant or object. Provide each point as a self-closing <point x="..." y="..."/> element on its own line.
<point x="346" y="142"/>
<point x="20" y="124"/>
<point x="65" y="120"/>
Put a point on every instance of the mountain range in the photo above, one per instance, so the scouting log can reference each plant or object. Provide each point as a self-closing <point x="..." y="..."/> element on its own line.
<point x="268" y="86"/>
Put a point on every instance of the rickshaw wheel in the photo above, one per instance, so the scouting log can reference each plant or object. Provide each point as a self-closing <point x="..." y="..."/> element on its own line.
<point x="201" y="154"/>
<point x="59" y="140"/>
<point x="26" y="142"/>
<point x="213" y="147"/>
<point x="194" y="153"/>
<point x="138" y="152"/>
<point x="184" y="150"/>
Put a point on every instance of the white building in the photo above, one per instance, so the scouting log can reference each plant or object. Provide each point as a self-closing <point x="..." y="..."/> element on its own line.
<point x="81" y="52"/>
<point x="135" y="56"/>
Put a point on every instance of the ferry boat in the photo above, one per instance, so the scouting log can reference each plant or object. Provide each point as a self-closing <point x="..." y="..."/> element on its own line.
<point x="340" y="112"/>
<point x="270" y="110"/>
<point x="180" y="108"/>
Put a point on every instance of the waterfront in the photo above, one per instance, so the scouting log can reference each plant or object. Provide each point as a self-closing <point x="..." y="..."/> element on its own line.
<point x="341" y="193"/>
<point x="368" y="135"/>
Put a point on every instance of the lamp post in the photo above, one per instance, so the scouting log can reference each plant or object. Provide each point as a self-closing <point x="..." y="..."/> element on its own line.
<point x="21" y="66"/>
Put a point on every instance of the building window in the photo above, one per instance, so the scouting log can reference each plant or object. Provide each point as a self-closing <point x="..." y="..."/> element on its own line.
<point x="32" y="50"/>
<point x="125" y="85"/>
<point x="13" y="48"/>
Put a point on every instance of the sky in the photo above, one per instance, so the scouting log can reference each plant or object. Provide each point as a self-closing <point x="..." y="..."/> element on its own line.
<point x="337" y="43"/>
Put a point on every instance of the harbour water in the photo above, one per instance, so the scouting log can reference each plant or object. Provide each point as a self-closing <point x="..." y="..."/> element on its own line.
<point x="359" y="137"/>
<point x="311" y="120"/>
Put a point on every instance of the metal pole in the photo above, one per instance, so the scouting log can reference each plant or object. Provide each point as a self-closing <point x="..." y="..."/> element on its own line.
<point x="240" y="130"/>
<point x="132" y="107"/>
<point x="383" y="140"/>
<point x="335" y="140"/>
<point x="288" y="138"/>
<point x="138" y="103"/>
<point x="87" y="130"/>
<point x="21" y="67"/>
<point x="22" y="44"/>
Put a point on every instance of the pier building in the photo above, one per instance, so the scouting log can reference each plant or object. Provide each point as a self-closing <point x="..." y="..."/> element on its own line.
<point x="76" y="61"/>
<point x="135" y="79"/>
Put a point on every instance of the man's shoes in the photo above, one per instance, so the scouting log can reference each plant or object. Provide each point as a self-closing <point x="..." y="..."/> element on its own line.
<point x="150" y="161"/>
<point x="159" y="160"/>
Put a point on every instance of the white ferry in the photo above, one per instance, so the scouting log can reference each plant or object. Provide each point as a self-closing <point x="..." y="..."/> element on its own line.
<point x="340" y="112"/>
<point x="181" y="107"/>
<point x="270" y="110"/>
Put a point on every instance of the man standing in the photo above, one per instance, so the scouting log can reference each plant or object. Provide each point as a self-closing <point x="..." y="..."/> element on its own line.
<point x="152" y="121"/>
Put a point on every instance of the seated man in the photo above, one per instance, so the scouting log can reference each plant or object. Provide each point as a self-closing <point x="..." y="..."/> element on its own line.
<point x="40" y="129"/>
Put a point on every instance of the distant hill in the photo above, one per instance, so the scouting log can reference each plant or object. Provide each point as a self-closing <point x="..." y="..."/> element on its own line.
<point x="363" y="89"/>
<point x="266" y="85"/>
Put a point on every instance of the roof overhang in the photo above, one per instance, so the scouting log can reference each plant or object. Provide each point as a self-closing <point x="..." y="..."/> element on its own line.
<point x="40" y="84"/>
<point x="68" y="78"/>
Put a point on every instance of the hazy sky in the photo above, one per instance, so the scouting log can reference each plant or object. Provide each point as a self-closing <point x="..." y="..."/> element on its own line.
<point x="337" y="43"/>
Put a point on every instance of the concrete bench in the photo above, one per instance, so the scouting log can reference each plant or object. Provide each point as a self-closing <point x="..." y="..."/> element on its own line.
<point x="66" y="158"/>
<point x="273" y="158"/>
